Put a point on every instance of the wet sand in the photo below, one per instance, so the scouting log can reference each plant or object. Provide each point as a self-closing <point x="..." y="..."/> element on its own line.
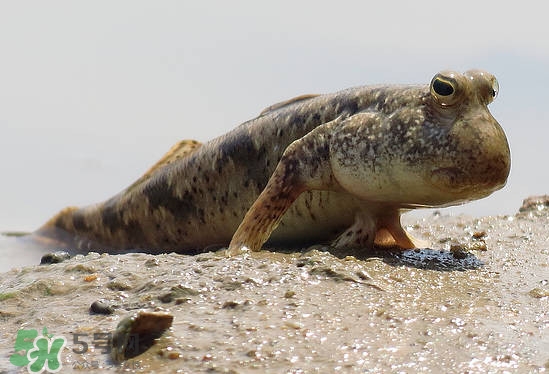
<point x="477" y="301"/>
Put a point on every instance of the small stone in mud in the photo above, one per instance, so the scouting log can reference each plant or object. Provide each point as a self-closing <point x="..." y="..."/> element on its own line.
<point x="170" y="353"/>
<point x="230" y="305"/>
<point x="101" y="307"/>
<point x="54" y="258"/>
<point x="289" y="294"/>
<point x="533" y="203"/>
<point x="137" y="332"/>
<point x="477" y="245"/>
<point x="479" y="235"/>
<point x="90" y="278"/>
<point x="538" y="293"/>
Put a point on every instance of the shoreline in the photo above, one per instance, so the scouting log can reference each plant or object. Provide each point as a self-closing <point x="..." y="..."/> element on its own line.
<point x="484" y="288"/>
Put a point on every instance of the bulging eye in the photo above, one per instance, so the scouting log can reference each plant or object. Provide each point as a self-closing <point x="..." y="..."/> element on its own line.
<point x="442" y="87"/>
<point x="445" y="89"/>
<point x="495" y="89"/>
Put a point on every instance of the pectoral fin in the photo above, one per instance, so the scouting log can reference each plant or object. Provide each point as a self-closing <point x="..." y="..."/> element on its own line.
<point x="303" y="166"/>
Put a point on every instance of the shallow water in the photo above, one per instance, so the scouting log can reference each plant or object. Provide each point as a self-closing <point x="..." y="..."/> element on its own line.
<point x="477" y="302"/>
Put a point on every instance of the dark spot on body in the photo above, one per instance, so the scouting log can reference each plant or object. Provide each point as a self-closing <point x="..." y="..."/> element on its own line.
<point x="134" y="233"/>
<point x="160" y="195"/>
<point x="298" y="118"/>
<point x="110" y="216"/>
<point x="202" y="215"/>
<point x="79" y="222"/>
<point x="351" y="106"/>
<point x="322" y="150"/>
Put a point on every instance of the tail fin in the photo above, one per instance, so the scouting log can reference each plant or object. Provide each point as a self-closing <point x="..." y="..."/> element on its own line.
<point x="62" y="231"/>
<point x="116" y="223"/>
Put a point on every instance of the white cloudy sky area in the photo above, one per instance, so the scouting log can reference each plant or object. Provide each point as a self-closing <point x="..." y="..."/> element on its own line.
<point x="92" y="93"/>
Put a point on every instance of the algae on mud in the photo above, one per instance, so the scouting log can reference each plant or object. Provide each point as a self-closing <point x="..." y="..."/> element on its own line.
<point x="476" y="302"/>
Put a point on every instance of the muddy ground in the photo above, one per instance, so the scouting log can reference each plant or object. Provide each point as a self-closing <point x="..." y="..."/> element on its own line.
<point x="476" y="302"/>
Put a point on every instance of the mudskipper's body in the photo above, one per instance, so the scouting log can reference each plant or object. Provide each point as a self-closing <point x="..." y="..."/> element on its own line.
<point x="336" y="168"/>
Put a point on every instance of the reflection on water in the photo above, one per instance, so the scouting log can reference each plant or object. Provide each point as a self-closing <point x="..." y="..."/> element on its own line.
<point x="18" y="251"/>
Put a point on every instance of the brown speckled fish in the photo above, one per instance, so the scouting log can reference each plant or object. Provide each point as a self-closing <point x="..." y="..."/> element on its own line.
<point x="337" y="168"/>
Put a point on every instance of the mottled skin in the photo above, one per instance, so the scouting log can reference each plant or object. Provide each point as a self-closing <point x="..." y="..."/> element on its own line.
<point x="337" y="168"/>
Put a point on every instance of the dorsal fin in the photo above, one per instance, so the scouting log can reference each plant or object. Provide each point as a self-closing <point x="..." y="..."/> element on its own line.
<point x="181" y="149"/>
<point x="282" y="104"/>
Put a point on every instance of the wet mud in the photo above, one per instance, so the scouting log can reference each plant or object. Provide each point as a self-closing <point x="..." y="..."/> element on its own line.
<point x="475" y="301"/>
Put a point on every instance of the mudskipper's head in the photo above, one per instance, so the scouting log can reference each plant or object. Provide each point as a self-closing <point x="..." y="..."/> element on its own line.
<point x="476" y="159"/>
<point x="435" y="145"/>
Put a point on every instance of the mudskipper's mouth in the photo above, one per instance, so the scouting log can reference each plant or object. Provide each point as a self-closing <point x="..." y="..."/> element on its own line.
<point x="459" y="184"/>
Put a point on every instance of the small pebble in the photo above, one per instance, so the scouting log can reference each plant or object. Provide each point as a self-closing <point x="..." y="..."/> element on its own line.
<point x="170" y="353"/>
<point x="538" y="293"/>
<point x="479" y="234"/>
<point x="137" y="332"/>
<point x="101" y="307"/>
<point x="90" y="278"/>
<point x="230" y="305"/>
<point x="479" y="245"/>
<point x="54" y="258"/>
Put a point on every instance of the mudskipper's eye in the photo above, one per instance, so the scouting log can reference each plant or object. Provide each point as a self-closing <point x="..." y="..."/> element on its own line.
<point x="495" y="88"/>
<point x="442" y="87"/>
<point x="446" y="88"/>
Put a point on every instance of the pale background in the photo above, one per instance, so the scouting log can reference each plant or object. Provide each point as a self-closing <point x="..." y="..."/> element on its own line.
<point x="93" y="93"/>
